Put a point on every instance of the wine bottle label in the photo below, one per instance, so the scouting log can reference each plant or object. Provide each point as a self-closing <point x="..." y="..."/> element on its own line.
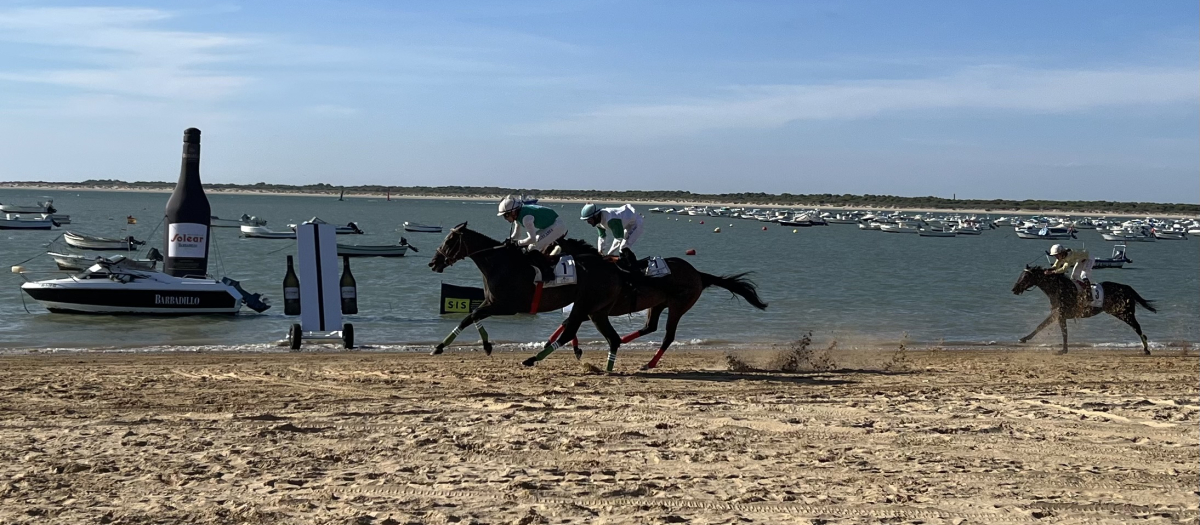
<point x="187" y="239"/>
<point x="348" y="292"/>
<point x="291" y="294"/>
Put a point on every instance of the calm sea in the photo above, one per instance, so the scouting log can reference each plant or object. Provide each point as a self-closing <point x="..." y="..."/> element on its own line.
<point x="836" y="281"/>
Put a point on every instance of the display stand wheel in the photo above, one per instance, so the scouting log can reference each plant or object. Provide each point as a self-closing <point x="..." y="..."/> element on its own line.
<point x="294" y="336"/>
<point x="348" y="335"/>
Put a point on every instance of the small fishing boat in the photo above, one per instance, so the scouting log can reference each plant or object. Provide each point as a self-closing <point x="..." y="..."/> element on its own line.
<point x="15" y="221"/>
<point x="115" y="286"/>
<point x="262" y="232"/>
<point x="91" y="242"/>
<point x="1120" y="235"/>
<point x="1169" y="235"/>
<point x="46" y="207"/>
<point x="1118" y="259"/>
<point x="74" y="262"/>
<point x="349" y="228"/>
<point x="244" y="220"/>
<point x="901" y="227"/>
<point x="417" y="227"/>
<point x="937" y="232"/>
<point x="386" y="250"/>
<point x="656" y="210"/>
<point x="1045" y="232"/>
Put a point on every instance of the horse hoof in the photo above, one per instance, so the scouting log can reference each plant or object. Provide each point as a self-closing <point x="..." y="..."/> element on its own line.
<point x="578" y="354"/>
<point x="530" y="362"/>
<point x="646" y="367"/>
<point x="1060" y="352"/>
<point x="436" y="351"/>
<point x="487" y="349"/>
<point x="1022" y="340"/>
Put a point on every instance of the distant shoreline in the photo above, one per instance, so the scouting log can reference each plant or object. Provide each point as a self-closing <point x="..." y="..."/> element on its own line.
<point x="1190" y="209"/>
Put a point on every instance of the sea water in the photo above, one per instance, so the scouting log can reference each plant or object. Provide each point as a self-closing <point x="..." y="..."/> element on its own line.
<point x="837" y="281"/>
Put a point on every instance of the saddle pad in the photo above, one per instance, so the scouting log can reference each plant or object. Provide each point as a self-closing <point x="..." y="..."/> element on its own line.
<point x="657" y="267"/>
<point x="1097" y="296"/>
<point x="564" y="272"/>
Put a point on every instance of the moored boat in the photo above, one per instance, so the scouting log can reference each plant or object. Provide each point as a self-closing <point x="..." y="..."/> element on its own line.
<point x="349" y="228"/>
<point x="75" y="262"/>
<point x="91" y="242"/>
<point x="262" y="232"/>
<point x="46" y="207"/>
<point x="115" y="286"/>
<point x="244" y="220"/>
<point x="417" y="227"/>
<point x="386" y="250"/>
<point x="16" y="221"/>
<point x="1118" y="259"/>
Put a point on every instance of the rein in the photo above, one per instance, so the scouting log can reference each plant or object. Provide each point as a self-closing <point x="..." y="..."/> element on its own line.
<point x="450" y="260"/>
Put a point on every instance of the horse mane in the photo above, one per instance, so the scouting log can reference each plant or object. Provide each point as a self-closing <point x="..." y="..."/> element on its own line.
<point x="578" y="246"/>
<point x="1035" y="268"/>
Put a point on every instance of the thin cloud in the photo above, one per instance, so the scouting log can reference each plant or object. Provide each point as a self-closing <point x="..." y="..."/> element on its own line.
<point x="118" y="51"/>
<point x="980" y="88"/>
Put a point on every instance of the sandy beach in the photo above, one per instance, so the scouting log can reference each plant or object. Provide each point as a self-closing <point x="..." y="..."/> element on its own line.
<point x="863" y="436"/>
<point x="640" y="202"/>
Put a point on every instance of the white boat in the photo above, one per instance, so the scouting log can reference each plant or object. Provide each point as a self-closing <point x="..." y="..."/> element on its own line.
<point x="1127" y="236"/>
<point x="68" y="261"/>
<point x="1118" y="259"/>
<point x="1045" y="232"/>
<point x="46" y="207"/>
<point x="244" y="220"/>
<point x="91" y="242"/>
<point x="349" y="228"/>
<point x="901" y="227"/>
<point x="1169" y="235"/>
<point x="386" y="250"/>
<point x="967" y="229"/>
<point x="15" y="221"/>
<point x="262" y="232"/>
<point x="115" y="286"/>
<point x="937" y="232"/>
<point x="656" y="210"/>
<point x="417" y="227"/>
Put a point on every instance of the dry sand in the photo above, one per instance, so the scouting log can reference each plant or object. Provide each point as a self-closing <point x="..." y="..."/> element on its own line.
<point x="947" y="436"/>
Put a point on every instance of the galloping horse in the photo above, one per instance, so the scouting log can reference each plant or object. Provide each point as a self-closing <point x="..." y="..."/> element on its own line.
<point x="509" y="289"/>
<point x="676" y="292"/>
<point x="1066" y="302"/>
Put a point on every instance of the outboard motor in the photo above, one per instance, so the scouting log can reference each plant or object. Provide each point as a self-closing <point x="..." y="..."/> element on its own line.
<point x="256" y="302"/>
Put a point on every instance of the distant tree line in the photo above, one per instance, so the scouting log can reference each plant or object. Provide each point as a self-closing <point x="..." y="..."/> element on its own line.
<point x="751" y="199"/>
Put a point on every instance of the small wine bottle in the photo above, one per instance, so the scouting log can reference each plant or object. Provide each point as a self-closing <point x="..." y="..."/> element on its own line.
<point x="349" y="289"/>
<point x="291" y="290"/>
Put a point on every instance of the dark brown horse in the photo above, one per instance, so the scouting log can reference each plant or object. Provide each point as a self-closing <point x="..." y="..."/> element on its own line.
<point x="509" y="289"/>
<point x="1067" y="302"/>
<point x="676" y="293"/>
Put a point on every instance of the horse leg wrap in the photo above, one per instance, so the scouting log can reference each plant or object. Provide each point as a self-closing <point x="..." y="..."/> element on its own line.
<point x="631" y="337"/>
<point x="450" y="338"/>
<point x="549" y="349"/>
<point x="482" y="333"/>
<point x="612" y="360"/>
<point x="657" y="355"/>
<point x="554" y="336"/>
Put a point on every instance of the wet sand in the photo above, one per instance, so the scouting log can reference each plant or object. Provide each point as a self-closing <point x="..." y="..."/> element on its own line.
<point x="935" y="436"/>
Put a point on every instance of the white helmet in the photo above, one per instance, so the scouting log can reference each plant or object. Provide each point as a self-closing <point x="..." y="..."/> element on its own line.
<point x="1057" y="249"/>
<point x="508" y="204"/>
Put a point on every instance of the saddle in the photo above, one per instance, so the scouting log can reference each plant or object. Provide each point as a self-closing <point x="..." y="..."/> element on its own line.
<point x="553" y="269"/>
<point x="1096" y="293"/>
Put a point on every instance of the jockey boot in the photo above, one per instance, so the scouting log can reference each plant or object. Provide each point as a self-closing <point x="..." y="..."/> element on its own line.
<point x="627" y="260"/>
<point x="543" y="264"/>
<point x="1087" y="291"/>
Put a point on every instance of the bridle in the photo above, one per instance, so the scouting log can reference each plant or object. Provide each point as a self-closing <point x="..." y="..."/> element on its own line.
<point x="449" y="260"/>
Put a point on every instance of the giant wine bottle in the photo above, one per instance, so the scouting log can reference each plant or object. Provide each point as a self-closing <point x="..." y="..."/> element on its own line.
<point x="349" y="288"/>
<point x="188" y="216"/>
<point x="291" y="290"/>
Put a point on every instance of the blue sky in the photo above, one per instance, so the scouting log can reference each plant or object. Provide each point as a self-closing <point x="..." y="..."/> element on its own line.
<point x="1056" y="100"/>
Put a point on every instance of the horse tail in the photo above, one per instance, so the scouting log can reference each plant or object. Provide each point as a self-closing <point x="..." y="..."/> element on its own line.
<point x="737" y="284"/>
<point x="1141" y="300"/>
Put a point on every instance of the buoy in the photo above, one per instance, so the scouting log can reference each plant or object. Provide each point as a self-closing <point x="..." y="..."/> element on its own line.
<point x="731" y="224"/>
<point x="794" y="231"/>
<point x="717" y="229"/>
<point x="691" y="251"/>
<point x="764" y="228"/>
<point x="701" y="222"/>
<point x="21" y="269"/>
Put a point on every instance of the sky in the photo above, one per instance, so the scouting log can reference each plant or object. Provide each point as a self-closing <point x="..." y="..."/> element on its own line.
<point x="1066" y="100"/>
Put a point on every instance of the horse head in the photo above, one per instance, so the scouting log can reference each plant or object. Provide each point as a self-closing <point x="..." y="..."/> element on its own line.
<point x="452" y="249"/>
<point x="1027" y="280"/>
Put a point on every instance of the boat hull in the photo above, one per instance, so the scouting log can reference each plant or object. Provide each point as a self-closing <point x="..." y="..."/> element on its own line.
<point x="112" y="297"/>
<point x="345" y="250"/>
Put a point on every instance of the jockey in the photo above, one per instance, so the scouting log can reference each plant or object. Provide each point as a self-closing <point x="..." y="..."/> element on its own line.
<point x="624" y="223"/>
<point x="1078" y="262"/>
<point x="542" y="225"/>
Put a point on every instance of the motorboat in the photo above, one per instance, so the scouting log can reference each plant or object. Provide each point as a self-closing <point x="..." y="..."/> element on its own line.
<point x="528" y="199"/>
<point x="16" y="221"/>
<point x="262" y="232"/>
<point x="46" y="207"/>
<point x="91" y="242"/>
<point x="349" y="228"/>
<point x="1118" y="259"/>
<point x="1045" y="232"/>
<point x="1122" y="235"/>
<point x="967" y="229"/>
<point x="937" y="232"/>
<point x="901" y="227"/>
<point x="416" y="227"/>
<point x="656" y="210"/>
<point x="386" y="250"/>
<point x="115" y="286"/>
<point x="244" y="220"/>
<point x="76" y="262"/>
<point x="1169" y="235"/>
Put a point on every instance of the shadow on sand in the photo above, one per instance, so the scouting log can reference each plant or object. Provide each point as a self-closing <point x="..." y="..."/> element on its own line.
<point x="803" y="378"/>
